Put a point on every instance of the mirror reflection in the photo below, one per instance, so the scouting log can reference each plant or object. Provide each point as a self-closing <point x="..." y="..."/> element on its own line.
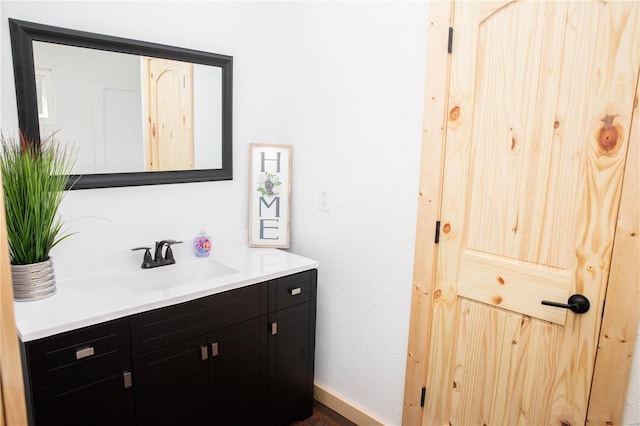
<point x="129" y="113"/>
<point x="137" y="112"/>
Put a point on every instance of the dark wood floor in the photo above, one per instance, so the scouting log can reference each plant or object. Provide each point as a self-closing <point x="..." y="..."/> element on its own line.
<point x="324" y="416"/>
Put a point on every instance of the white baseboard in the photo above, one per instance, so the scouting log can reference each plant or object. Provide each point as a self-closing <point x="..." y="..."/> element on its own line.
<point x="343" y="407"/>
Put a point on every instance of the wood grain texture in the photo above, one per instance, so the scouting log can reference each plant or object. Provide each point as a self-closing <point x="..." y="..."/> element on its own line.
<point x="514" y="385"/>
<point x="444" y="314"/>
<point x="343" y="407"/>
<point x="613" y="79"/>
<point x="514" y="285"/>
<point x="11" y="385"/>
<point x="169" y="110"/>
<point x="477" y="363"/>
<point x="538" y="119"/>
<point x="620" y="321"/>
<point x="433" y="137"/>
<point x="525" y="384"/>
<point x="513" y="117"/>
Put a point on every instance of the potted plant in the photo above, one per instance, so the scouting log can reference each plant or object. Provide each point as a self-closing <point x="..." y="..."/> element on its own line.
<point x="34" y="178"/>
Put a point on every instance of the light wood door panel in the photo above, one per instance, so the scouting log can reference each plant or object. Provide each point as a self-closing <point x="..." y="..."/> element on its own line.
<point x="169" y="138"/>
<point x="620" y="320"/>
<point x="514" y="285"/>
<point x="541" y="97"/>
<point x="13" y="409"/>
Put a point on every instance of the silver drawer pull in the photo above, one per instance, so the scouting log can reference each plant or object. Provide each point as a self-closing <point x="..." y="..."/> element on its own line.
<point x="295" y="291"/>
<point x="214" y="349"/>
<point x="204" y="353"/>
<point x="84" y="352"/>
<point x="274" y="328"/>
<point x="127" y="379"/>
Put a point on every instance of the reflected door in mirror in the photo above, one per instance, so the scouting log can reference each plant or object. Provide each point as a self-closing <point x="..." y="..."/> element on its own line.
<point x="169" y="111"/>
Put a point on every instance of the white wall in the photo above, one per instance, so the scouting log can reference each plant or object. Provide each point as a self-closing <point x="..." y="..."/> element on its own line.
<point x="632" y="408"/>
<point x="207" y="116"/>
<point x="343" y="83"/>
<point x="351" y="104"/>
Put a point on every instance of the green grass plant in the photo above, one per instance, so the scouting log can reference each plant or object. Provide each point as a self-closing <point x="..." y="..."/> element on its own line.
<point x="34" y="178"/>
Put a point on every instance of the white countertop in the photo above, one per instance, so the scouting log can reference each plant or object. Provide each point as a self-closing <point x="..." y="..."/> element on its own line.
<point x="98" y="287"/>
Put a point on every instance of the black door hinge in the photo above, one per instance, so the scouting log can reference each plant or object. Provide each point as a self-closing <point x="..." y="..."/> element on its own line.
<point x="422" y="396"/>
<point x="450" y="42"/>
<point x="437" y="232"/>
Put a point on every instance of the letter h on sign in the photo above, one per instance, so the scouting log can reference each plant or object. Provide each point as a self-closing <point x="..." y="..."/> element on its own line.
<point x="264" y="159"/>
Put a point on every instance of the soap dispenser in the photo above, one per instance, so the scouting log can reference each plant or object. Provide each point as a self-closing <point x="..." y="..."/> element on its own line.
<point x="202" y="244"/>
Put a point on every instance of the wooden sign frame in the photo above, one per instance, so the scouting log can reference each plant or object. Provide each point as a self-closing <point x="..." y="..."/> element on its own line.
<point x="269" y="195"/>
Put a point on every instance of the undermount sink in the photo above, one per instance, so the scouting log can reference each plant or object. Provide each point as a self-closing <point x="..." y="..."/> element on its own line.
<point x="179" y="274"/>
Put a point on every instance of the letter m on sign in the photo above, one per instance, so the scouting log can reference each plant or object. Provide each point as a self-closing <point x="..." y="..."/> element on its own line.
<point x="267" y="205"/>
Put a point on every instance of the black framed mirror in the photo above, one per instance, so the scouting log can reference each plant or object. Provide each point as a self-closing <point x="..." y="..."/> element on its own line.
<point x="114" y="157"/>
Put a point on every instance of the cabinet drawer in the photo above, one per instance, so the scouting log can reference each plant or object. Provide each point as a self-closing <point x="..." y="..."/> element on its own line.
<point x="292" y="290"/>
<point x="165" y="326"/>
<point x="69" y="354"/>
<point x="98" y="398"/>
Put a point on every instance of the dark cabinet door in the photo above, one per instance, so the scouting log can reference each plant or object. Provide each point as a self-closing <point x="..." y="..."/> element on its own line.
<point x="171" y="385"/>
<point x="238" y="373"/>
<point x="291" y="349"/>
<point x="99" y="397"/>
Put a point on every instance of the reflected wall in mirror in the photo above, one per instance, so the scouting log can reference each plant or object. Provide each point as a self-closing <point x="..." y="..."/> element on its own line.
<point x="138" y="113"/>
<point x="113" y="93"/>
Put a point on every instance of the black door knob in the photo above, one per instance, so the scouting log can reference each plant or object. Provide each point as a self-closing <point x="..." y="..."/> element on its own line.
<point x="576" y="303"/>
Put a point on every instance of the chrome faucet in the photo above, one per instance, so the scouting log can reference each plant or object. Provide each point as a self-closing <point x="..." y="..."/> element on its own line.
<point x="158" y="259"/>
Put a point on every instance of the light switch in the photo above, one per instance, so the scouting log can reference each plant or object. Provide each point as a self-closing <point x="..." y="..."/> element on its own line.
<point x="323" y="200"/>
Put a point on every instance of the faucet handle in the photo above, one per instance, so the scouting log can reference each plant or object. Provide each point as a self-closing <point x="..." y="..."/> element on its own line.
<point x="147" y="260"/>
<point x="168" y="254"/>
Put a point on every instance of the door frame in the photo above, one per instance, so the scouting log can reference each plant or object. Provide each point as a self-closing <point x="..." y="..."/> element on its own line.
<point x="620" y="319"/>
<point x="13" y="408"/>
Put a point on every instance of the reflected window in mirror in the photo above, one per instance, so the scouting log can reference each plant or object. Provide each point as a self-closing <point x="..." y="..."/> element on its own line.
<point x="44" y="94"/>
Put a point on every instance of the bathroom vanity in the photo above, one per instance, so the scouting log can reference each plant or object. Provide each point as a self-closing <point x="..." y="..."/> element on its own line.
<point x="233" y="348"/>
<point x="222" y="340"/>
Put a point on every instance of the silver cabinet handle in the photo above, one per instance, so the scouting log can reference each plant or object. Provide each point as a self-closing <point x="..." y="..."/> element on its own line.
<point x="214" y="349"/>
<point x="295" y="291"/>
<point x="274" y="328"/>
<point x="204" y="353"/>
<point x="126" y="376"/>
<point x="84" y="352"/>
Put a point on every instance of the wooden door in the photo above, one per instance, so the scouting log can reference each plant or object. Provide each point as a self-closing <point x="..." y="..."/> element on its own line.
<point x="169" y="105"/>
<point x="540" y="101"/>
<point x="12" y="398"/>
